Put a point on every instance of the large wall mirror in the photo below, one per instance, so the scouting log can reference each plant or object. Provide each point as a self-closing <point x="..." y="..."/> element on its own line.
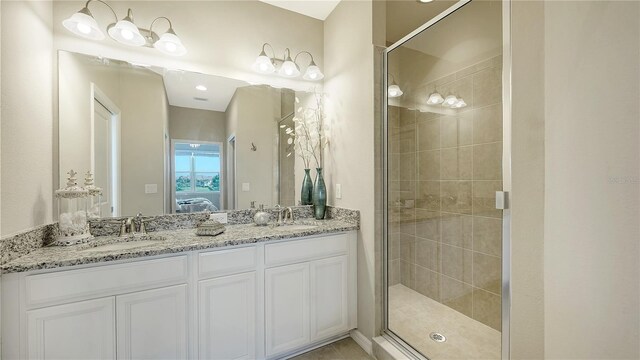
<point x="170" y="141"/>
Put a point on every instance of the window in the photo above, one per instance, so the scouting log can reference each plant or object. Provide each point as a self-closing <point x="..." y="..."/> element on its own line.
<point x="197" y="169"/>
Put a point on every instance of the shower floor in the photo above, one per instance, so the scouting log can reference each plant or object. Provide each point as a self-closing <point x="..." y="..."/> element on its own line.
<point x="413" y="316"/>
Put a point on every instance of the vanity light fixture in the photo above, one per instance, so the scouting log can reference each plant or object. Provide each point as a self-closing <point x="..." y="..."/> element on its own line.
<point x="450" y="100"/>
<point x="124" y="31"/>
<point x="435" y="98"/>
<point x="460" y="104"/>
<point x="201" y="88"/>
<point x="394" y="91"/>
<point x="288" y="67"/>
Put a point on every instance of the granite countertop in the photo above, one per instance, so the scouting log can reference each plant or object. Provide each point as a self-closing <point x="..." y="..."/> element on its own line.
<point x="167" y="242"/>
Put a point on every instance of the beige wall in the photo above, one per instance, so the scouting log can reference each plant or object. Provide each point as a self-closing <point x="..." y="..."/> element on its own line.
<point x="222" y="37"/>
<point x="26" y="128"/>
<point x="349" y="55"/>
<point x="195" y="124"/>
<point x="592" y="179"/>
<point x="527" y="200"/>
<point x="145" y="109"/>
<point x="252" y="117"/>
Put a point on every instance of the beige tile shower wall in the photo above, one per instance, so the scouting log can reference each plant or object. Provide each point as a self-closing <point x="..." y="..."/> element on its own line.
<point x="446" y="236"/>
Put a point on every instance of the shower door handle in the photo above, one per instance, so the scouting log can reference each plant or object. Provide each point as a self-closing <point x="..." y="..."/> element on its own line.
<point x="502" y="200"/>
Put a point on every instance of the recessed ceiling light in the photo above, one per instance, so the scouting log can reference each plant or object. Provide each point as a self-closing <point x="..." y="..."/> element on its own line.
<point x="424" y="1"/>
<point x="201" y="88"/>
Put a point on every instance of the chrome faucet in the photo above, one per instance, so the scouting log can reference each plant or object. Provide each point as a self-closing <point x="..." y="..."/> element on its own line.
<point x="288" y="213"/>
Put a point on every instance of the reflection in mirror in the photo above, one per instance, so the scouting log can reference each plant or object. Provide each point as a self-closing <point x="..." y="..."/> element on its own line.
<point x="170" y="141"/>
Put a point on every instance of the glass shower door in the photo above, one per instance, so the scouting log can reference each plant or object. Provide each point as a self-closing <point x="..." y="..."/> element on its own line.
<point x="444" y="150"/>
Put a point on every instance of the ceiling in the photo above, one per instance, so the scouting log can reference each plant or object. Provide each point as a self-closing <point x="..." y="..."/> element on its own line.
<point x="181" y="90"/>
<point x="404" y="16"/>
<point x="319" y="9"/>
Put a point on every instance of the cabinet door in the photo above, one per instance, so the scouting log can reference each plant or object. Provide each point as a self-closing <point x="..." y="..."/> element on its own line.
<point x="82" y="330"/>
<point x="329" y="297"/>
<point x="153" y="324"/>
<point x="227" y="308"/>
<point x="287" y="308"/>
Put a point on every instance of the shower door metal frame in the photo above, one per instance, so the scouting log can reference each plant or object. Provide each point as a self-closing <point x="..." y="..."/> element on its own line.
<point x="506" y="179"/>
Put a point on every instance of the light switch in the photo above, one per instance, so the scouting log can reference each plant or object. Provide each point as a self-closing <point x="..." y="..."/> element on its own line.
<point x="150" y="188"/>
<point x="245" y="187"/>
<point x="338" y="191"/>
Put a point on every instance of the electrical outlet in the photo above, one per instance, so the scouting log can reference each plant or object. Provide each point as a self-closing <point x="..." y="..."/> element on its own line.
<point x="219" y="217"/>
<point x="246" y="187"/>
<point x="338" y="191"/>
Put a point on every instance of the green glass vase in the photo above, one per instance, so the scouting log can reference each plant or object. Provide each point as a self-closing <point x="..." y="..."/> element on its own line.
<point x="319" y="195"/>
<point x="306" y="195"/>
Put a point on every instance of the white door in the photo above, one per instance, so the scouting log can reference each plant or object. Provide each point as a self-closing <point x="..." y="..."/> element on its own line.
<point x="329" y="297"/>
<point x="104" y="144"/>
<point x="153" y="324"/>
<point x="82" y="330"/>
<point x="227" y="317"/>
<point x="287" y="308"/>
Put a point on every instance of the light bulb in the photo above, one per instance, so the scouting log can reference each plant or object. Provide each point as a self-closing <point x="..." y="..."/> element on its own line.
<point x="83" y="24"/>
<point x="84" y="28"/>
<point x="263" y="64"/>
<point x="169" y="43"/>
<point x="394" y="91"/>
<point x="201" y="88"/>
<point x="450" y="100"/>
<point x="289" y="69"/>
<point x="126" y="32"/>
<point x="313" y="73"/>
<point x="435" y="98"/>
<point x="460" y="104"/>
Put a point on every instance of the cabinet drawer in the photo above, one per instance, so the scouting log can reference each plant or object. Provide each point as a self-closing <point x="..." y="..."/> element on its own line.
<point x="227" y="262"/>
<point x="106" y="280"/>
<point x="304" y="250"/>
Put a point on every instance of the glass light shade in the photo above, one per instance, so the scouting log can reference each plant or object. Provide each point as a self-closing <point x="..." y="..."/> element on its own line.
<point x="170" y="44"/>
<point x="394" y="91"/>
<point x="460" y="104"/>
<point x="313" y="73"/>
<point x="263" y="64"/>
<point x="450" y="100"/>
<point x="435" y="99"/>
<point x="289" y="69"/>
<point x="83" y="24"/>
<point x="127" y="33"/>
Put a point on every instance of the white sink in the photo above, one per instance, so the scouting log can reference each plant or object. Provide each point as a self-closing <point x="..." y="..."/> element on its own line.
<point x="123" y="245"/>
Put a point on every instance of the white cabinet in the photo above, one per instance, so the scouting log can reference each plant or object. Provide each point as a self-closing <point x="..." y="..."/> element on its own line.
<point x="287" y="308"/>
<point x="329" y="297"/>
<point x="226" y="317"/>
<point x="260" y="301"/>
<point x="82" y="330"/>
<point x="306" y="303"/>
<point x="152" y="324"/>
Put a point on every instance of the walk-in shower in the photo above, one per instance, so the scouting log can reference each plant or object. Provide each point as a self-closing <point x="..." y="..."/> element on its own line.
<point x="445" y="150"/>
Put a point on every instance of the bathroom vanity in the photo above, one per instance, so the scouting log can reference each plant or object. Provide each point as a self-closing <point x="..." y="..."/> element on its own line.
<point x="250" y="293"/>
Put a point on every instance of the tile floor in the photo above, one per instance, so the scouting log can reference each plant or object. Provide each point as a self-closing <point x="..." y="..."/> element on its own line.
<point x="414" y="316"/>
<point x="345" y="349"/>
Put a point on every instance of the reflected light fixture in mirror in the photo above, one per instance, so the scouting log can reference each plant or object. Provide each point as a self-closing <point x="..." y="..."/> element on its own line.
<point x="435" y="98"/>
<point x="450" y="100"/>
<point x="124" y="31"/>
<point x="201" y="88"/>
<point x="394" y="91"/>
<point x="288" y="67"/>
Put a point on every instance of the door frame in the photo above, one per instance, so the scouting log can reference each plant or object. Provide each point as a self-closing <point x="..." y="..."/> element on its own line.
<point x="506" y="171"/>
<point x="172" y="172"/>
<point x="116" y="163"/>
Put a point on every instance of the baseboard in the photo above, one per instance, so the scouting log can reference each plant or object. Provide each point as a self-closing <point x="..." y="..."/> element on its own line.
<point x="363" y="341"/>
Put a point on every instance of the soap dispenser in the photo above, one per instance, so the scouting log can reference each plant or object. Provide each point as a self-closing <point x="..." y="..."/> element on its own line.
<point x="261" y="218"/>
